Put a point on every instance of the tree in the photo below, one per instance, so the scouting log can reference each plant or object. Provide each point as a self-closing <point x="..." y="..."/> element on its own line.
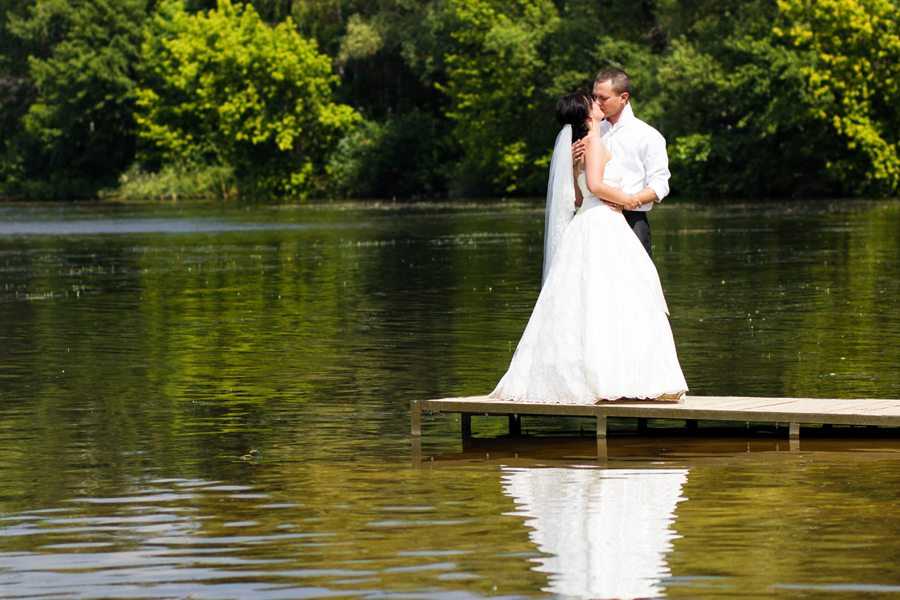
<point x="496" y="80"/>
<point x="77" y="133"/>
<point x="780" y="98"/>
<point x="513" y="59"/>
<point x="389" y="58"/>
<point x="852" y="68"/>
<point x="731" y="101"/>
<point x="16" y="90"/>
<point x="224" y="87"/>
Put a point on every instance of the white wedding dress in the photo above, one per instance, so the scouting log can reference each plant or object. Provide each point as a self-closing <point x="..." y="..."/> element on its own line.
<point x="600" y="328"/>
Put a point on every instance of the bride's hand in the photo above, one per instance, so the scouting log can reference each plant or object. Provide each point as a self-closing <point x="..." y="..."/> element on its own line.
<point x="632" y="202"/>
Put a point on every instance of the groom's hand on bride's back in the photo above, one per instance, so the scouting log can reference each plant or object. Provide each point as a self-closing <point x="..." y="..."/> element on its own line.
<point x="577" y="151"/>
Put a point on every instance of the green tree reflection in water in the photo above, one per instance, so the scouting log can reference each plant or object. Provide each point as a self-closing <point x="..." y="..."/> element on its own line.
<point x="142" y="354"/>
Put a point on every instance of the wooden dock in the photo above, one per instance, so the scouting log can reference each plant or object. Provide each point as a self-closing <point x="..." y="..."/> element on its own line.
<point x="793" y="412"/>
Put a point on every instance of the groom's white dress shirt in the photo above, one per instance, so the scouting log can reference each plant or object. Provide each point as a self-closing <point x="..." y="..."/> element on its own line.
<point x="641" y="151"/>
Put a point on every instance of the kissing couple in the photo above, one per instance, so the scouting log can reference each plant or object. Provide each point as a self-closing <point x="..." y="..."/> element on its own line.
<point x="599" y="330"/>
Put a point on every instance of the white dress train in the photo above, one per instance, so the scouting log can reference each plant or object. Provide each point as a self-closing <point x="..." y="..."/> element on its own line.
<point x="600" y="328"/>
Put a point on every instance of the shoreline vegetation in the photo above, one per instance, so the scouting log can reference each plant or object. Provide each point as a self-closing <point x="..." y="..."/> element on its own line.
<point x="175" y="182"/>
<point x="300" y="99"/>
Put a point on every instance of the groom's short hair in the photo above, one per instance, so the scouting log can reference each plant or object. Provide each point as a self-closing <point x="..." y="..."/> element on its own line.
<point x="618" y="79"/>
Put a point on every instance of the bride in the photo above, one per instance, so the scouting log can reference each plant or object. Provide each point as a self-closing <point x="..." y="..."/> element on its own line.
<point x="600" y="329"/>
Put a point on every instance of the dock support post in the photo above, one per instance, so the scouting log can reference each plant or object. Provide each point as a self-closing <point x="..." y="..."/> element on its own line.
<point x="466" y="419"/>
<point x="417" y="453"/>
<point x="415" y="418"/>
<point x="794" y="432"/>
<point x="642" y="425"/>
<point x="692" y="423"/>
<point x="515" y="425"/>
<point x="601" y="436"/>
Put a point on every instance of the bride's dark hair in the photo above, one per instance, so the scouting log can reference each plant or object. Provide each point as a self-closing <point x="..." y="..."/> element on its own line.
<point x="574" y="109"/>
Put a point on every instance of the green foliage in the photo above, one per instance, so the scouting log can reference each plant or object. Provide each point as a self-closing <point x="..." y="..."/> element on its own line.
<point x="225" y="88"/>
<point x="738" y="132"/>
<point x="509" y="63"/>
<point x="395" y="158"/>
<point x="16" y="91"/>
<point x="757" y="98"/>
<point x="389" y="58"/>
<point x="730" y="100"/>
<point x="780" y="97"/>
<point x="852" y="68"/>
<point x="176" y="182"/>
<point x="496" y="74"/>
<point x="77" y="133"/>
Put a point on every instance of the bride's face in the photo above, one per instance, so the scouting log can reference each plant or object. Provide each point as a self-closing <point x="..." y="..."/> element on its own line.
<point x="596" y="113"/>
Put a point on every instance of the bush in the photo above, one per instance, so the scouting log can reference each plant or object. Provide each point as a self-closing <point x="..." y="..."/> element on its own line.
<point x="226" y="86"/>
<point x="402" y="157"/>
<point x="174" y="182"/>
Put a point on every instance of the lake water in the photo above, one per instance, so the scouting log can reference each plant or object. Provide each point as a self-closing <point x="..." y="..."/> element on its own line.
<point x="146" y="349"/>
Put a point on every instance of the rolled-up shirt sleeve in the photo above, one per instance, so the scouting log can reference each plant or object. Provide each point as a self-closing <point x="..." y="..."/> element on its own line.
<point x="656" y="163"/>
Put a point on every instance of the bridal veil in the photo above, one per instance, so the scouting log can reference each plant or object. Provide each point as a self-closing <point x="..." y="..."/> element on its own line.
<point x="560" y="196"/>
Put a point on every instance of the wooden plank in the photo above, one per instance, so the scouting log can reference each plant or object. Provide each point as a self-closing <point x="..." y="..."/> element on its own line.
<point x="795" y="405"/>
<point x="734" y="404"/>
<point x="876" y="406"/>
<point x="892" y="412"/>
<point x="838" y="407"/>
<point x="477" y="405"/>
<point x="831" y="411"/>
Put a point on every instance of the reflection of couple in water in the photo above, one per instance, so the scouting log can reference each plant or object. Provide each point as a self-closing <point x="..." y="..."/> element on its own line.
<point x="605" y="533"/>
<point x="600" y="329"/>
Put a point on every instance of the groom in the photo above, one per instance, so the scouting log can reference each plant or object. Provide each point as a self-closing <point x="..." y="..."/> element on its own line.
<point x="637" y="147"/>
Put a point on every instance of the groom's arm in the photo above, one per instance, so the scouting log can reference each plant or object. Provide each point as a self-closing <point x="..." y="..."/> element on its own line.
<point x="647" y="195"/>
<point x="656" y="168"/>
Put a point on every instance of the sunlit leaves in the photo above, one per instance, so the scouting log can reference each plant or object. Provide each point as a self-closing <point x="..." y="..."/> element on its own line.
<point x="495" y="73"/>
<point x="853" y="53"/>
<point x="225" y="87"/>
<point x="362" y="40"/>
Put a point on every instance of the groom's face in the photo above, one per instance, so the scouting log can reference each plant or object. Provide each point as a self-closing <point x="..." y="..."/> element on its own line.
<point x="609" y="102"/>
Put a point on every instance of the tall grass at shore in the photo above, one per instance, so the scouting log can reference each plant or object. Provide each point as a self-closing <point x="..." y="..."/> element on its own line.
<point x="176" y="182"/>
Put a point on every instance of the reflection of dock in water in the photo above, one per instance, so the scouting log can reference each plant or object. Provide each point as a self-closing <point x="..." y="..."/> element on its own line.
<point x="680" y="448"/>
<point x="792" y="412"/>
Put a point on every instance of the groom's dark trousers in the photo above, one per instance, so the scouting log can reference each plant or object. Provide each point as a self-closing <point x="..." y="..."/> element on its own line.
<point x="638" y="221"/>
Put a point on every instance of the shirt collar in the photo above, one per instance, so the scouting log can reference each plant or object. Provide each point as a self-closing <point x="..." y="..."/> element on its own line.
<point x="625" y="116"/>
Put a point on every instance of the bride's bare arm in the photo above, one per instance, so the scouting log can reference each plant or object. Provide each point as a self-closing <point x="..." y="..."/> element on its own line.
<point x="578" y="198"/>
<point x="595" y="157"/>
